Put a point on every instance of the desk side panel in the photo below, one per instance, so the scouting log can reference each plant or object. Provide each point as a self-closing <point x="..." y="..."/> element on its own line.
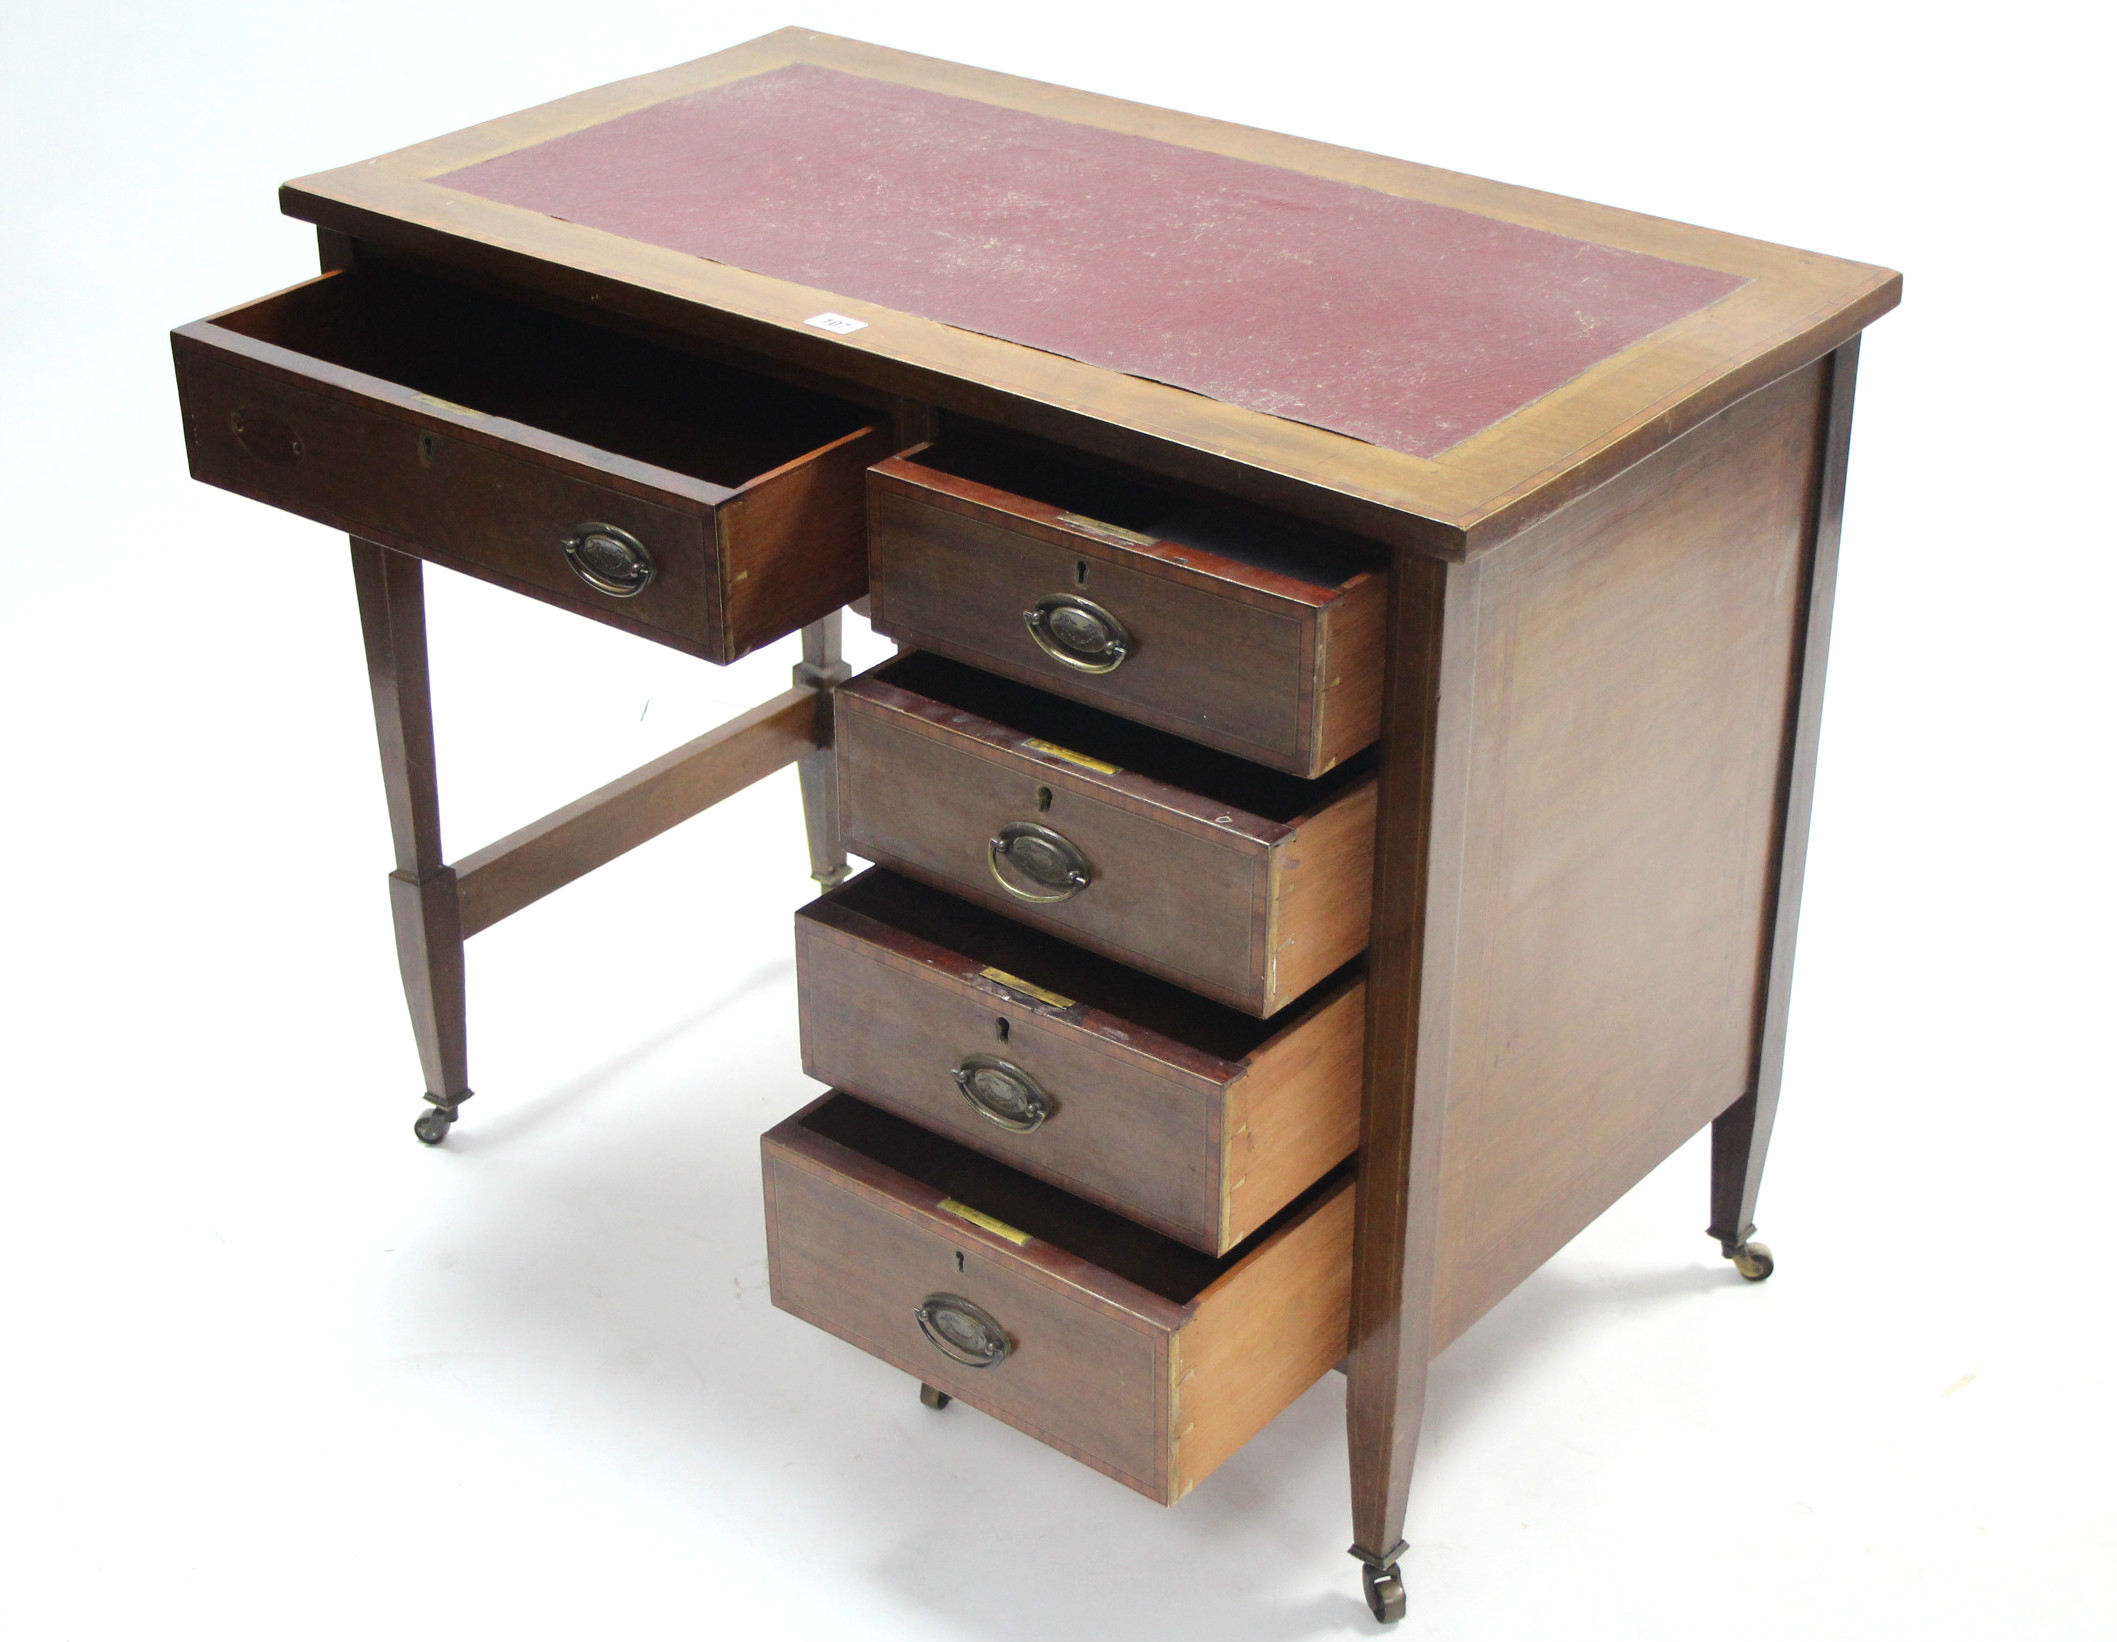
<point x="1636" y="661"/>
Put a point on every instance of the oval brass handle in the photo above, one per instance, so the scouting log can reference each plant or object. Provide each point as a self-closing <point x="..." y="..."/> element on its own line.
<point x="609" y="560"/>
<point x="960" y="1329"/>
<point x="1078" y="632"/>
<point x="1042" y="856"/>
<point x="1002" y="1093"/>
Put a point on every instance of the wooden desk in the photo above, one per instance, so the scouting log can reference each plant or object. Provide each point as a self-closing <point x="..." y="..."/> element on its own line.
<point x="1304" y="551"/>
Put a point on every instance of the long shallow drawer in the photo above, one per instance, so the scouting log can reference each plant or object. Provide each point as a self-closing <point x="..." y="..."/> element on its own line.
<point x="1145" y="1359"/>
<point x="1177" y="1112"/>
<point x="681" y="499"/>
<point x="1242" y="629"/>
<point x="1237" y="882"/>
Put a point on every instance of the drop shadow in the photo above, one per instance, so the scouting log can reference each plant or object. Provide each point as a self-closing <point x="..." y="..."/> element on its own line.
<point x="969" y="1527"/>
<point x="1481" y="1369"/>
<point x="524" y="1118"/>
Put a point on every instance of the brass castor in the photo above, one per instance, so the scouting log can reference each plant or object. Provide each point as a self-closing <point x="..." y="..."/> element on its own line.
<point x="932" y="1398"/>
<point x="1752" y="1260"/>
<point x="433" y="1124"/>
<point x="1385" y="1592"/>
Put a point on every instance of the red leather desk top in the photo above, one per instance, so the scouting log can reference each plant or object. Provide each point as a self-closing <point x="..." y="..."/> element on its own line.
<point x="1407" y="324"/>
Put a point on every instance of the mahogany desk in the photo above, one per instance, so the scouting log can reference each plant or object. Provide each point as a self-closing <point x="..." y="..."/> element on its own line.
<point x="1300" y="553"/>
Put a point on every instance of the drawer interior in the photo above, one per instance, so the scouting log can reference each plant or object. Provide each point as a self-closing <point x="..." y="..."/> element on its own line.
<point x="1136" y="502"/>
<point x="1155" y="754"/>
<point x="1153" y="1262"/>
<point x="997" y="942"/>
<point x="483" y="353"/>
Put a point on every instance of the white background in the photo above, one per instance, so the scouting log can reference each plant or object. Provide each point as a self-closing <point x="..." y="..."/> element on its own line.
<point x="276" y="1371"/>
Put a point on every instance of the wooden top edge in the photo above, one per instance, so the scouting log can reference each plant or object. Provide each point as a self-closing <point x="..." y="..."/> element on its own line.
<point x="1795" y="306"/>
<point x="1563" y="483"/>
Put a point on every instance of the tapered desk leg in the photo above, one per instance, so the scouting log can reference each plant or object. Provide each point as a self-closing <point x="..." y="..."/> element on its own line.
<point x="1411" y="963"/>
<point x="1742" y="1133"/>
<point x="423" y="899"/>
<point x="822" y="668"/>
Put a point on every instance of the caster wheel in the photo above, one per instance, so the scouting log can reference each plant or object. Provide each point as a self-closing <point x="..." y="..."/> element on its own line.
<point x="1753" y="1261"/>
<point x="433" y="1125"/>
<point x="932" y="1398"/>
<point x="1385" y="1592"/>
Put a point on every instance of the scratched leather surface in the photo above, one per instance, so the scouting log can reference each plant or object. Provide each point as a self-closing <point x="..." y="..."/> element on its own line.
<point x="1410" y="325"/>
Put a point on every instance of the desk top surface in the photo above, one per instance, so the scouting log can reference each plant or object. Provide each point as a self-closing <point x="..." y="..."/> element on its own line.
<point x="1463" y="351"/>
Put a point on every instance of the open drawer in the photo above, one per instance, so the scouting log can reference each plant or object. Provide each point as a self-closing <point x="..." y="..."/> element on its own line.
<point x="1175" y="1111"/>
<point x="1225" y="623"/>
<point x="1232" y="880"/>
<point x="704" y="506"/>
<point x="1145" y="1359"/>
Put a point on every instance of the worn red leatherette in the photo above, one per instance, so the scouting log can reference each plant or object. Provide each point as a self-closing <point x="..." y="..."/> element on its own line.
<point x="1407" y="324"/>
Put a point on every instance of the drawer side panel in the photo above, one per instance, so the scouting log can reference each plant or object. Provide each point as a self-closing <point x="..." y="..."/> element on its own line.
<point x="1261" y="1336"/>
<point x="1323" y="891"/>
<point x="1352" y="662"/>
<point x="793" y="545"/>
<point x="1295" y="1114"/>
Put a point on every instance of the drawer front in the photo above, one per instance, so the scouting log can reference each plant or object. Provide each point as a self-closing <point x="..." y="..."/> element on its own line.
<point x="849" y="1259"/>
<point x="1181" y="904"/>
<point x="421" y="487"/>
<point x="1155" y="1385"/>
<point x="1142" y="1141"/>
<point x="1200" y="664"/>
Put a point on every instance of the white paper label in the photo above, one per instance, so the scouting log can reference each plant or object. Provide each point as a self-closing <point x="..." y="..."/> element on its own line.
<point x="836" y="324"/>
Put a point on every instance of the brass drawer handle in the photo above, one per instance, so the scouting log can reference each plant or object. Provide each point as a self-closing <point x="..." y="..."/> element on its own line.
<point x="1042" y="856"/>
<point x="1082" y="634"/>
<point x="1002" y="1093"/>
<point x="959" y="1329"/>
<point x="609" y="560"/>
